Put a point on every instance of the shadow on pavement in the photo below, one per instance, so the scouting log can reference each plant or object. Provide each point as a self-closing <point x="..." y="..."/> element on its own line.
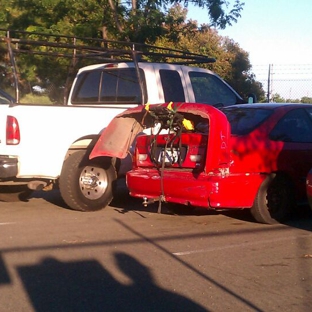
<point x="4" y="274"/>
<point x="87" y="286"/>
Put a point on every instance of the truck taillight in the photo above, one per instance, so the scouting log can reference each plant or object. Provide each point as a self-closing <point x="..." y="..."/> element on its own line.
<point x="13" y="136"/>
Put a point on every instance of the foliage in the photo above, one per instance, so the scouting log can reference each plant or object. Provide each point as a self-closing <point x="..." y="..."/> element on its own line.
<point x="306" y="99"/>
<point x="35" y="99"/>
<point x="277" y="98"/>
<point x="161" y="22"/>
<point x="232" y="62"/>
<point x="240" y="76"/>
<point x="217" y="11"/>
<point x="138" y="20"/>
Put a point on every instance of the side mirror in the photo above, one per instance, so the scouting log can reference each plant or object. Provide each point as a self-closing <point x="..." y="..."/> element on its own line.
<point x="252" y="98"/>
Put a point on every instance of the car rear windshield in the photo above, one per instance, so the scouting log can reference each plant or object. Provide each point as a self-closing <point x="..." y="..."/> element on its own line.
<point x="244" y="120"/>
<point x="111" y="85"/>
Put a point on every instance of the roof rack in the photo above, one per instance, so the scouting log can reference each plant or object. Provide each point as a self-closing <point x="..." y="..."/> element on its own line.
<point x="96" y="48"/>
<point x="101" y="50"/>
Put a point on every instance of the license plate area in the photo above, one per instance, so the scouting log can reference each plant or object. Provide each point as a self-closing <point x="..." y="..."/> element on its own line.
<point x="171" y="156"/>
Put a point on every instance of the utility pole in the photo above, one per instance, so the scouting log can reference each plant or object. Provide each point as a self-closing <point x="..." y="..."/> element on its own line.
<point x="269" y="81"/>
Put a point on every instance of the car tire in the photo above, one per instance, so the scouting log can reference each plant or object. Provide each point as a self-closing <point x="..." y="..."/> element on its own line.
<point x="274" y="201"/>
<point x="14" y="193"/>
<point x="87" y="185"/>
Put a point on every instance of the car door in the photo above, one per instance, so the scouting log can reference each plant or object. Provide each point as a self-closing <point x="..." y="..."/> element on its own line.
<point x="295" y="131"/>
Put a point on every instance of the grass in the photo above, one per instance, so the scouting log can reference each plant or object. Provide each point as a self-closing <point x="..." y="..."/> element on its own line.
<point x="35" y="99"/>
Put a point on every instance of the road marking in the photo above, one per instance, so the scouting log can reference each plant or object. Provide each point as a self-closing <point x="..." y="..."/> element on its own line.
<point x="190" y="252"/>
<point x="6" y="223"/>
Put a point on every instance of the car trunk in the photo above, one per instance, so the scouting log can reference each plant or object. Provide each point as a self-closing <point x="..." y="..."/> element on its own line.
<point x="209" y="137"/>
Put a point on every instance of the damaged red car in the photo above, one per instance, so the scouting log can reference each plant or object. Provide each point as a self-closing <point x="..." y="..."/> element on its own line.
<point x="249" y="156"/>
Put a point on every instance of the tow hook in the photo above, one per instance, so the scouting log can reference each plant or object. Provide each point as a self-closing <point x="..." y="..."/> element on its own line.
<point x="147" y="201"/>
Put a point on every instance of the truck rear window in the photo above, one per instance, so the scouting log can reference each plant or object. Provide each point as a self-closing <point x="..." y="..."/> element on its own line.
<point x="108" y="86"/>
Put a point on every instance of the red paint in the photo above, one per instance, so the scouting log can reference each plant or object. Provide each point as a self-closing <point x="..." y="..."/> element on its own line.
<point x="220" y="169"/>
<point x="233" y="169"/>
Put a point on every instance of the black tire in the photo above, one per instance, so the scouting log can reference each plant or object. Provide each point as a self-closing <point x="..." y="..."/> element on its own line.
<point x="275" y="200"/>
<point x="14" y="193"/>
<point x="87" y="185"/>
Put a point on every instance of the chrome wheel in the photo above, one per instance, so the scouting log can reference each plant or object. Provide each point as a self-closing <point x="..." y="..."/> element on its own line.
<point x="93" y="182"/>
<point x="87" y="185"/>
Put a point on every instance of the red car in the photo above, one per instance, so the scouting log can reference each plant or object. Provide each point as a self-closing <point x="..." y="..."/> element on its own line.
<point x="253" y="156"/>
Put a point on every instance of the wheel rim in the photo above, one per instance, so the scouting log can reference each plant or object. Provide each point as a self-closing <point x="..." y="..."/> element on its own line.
<point x="93" y="182"/>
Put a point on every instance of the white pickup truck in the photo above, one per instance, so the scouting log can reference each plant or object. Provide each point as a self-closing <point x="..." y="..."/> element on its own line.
<point x="44" y="146"/>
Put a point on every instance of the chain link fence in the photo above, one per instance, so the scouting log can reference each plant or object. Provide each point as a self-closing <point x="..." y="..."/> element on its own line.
<point x="285" y="82"/>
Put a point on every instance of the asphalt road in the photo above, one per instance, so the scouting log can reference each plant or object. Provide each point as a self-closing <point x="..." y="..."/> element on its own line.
<point x="130" y="258"/>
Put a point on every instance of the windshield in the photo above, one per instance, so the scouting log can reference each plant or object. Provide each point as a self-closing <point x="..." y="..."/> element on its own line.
<point x="243" y="120"/>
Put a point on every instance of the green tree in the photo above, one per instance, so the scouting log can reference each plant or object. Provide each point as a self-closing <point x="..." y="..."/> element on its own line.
<point x="138" y="20"/>
<point x="232" y="62"/>
<point x="145" y="21"/>
<point x="277" y="98"/>
<point x="306" y="99"/>
<point x="241" y="76"/>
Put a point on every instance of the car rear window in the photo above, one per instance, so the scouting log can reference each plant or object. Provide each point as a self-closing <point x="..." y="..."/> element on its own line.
<point x="244" y="120"/>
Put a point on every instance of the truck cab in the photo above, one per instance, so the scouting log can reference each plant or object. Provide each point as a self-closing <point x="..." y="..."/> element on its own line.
<point x="118" y="84"/>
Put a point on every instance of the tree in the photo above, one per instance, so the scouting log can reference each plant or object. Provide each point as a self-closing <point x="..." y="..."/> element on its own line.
<point x="306" y="99"/>
<point x="216" y="10"/>
<point x="241" y="77"/>
<point x="277" y="98"/>
<point x="232" y="62"/>
<point x="138" y="20"/>
<point x="144" y="21"/>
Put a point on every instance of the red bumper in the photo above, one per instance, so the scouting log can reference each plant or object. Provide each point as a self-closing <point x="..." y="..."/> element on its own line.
<point x="209" y="191"/>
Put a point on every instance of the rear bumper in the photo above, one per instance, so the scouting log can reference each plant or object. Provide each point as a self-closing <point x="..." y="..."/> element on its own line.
<point x="209" y="191"/>
<point x="8" y="167"/>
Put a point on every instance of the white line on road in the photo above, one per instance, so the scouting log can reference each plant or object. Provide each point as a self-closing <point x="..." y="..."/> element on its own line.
<point x="184" y="253"/>
<point x="6" y="223"/>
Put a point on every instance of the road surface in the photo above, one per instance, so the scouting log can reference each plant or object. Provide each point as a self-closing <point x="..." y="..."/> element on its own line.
<point x="130" y="258"/>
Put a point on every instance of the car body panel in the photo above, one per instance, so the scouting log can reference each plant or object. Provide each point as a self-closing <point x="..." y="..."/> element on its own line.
<point x="119" y="135"/>
<point x="203" y="190"/>
<point x="235" y="165"/>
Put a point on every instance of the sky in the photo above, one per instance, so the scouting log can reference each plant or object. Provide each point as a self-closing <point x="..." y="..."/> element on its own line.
<point x="277" y="32"/>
